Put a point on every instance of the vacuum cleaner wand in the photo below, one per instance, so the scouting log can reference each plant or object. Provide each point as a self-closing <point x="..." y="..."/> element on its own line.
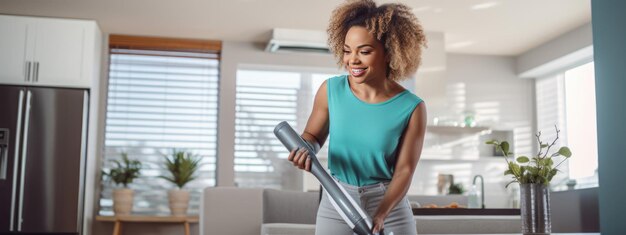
<point x="349" y="210"/>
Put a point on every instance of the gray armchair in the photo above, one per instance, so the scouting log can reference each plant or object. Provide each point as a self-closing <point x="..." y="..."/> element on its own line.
<point x="253" y="211"/>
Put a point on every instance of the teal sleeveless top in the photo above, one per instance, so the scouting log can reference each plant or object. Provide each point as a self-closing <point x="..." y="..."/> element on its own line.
<point x="364" y="137"/>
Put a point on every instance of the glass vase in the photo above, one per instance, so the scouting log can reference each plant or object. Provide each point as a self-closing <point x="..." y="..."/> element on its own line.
<point x="535" y="209"/>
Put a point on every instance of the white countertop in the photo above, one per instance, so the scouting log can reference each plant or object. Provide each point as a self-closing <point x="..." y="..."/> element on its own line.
<point x="520" y="233"/>
<point x="466" y="217"/>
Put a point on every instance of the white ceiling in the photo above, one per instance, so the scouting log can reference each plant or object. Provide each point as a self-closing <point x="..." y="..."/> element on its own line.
<point x="510" y="27"/>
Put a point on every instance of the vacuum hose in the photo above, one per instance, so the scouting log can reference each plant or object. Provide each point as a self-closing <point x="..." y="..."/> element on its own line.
<point x="349" y="210"/>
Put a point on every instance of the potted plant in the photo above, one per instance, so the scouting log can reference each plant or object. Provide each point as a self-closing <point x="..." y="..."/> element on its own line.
<point x="124" y="173"/>
<point x="456" y="189"/>
<point x="182" y="166"/>
<point x="534" y="176"/>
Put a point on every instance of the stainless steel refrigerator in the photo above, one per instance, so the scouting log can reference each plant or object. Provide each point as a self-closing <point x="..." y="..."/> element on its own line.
<point x="43" y="136"/>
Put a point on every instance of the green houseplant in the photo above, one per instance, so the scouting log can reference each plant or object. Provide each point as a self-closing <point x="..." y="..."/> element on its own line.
<point x="123" y="173"/>
<point x="181" y="166"/>
<point x="534" y="176"/>
<point x="456" y="189"/>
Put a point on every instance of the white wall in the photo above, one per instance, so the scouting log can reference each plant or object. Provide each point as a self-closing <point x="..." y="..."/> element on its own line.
<point x="491" y="87"/>
<point x="565" y="51"/>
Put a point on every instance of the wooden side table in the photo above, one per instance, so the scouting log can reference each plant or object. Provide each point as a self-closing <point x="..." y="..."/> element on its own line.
<point x="119" y="219"/>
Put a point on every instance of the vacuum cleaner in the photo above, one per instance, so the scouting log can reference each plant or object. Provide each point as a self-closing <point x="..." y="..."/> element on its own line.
<point x="350" y="211"/>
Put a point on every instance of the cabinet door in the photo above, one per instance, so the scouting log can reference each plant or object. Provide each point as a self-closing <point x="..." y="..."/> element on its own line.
<point x="13" y="54"/>
<point x="58" y="55"/>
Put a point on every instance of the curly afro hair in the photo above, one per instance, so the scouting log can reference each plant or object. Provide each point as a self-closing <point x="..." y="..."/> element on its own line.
<point x="393" y="24"/>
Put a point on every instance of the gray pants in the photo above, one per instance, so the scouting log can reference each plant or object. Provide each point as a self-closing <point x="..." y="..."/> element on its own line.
<point x="399" y="221"/>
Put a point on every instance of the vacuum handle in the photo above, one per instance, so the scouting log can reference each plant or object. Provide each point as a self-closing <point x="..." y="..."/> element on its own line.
<point x="354" y="216"/>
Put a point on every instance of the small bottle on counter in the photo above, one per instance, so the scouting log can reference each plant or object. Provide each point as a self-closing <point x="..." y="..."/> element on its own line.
<point x="473" y="198"/>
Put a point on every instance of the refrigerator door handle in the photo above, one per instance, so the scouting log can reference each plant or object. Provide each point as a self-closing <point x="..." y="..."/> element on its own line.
<point x="36" y="73"/>
<point x="24" y="150"/>
<point x="18" y="133"/>
<point x="83" y="160"/>
<point x="27" y="78"/>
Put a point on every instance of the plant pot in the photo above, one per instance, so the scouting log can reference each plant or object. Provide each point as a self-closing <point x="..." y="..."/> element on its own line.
<point x="535" y="209"/>
<point x="123" y="201"/>
<point x="179" y="201"/>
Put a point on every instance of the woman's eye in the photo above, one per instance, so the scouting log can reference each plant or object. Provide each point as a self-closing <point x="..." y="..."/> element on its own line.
<point x="365" y="52"/>
<point x="346" y="52"/>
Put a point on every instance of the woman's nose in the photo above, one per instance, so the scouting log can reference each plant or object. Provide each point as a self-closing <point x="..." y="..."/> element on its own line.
<point x="354" y="59"/>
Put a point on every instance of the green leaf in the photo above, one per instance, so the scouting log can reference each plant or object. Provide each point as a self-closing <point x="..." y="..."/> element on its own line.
<point x="523" y="159"/>
<point x="547" y="162"/>
<point x="565" y="152"/>
<point x="544" y="145"/>
<point x="540" y="162"/>
<point x="504" y="146"/>
<point x="515" y="169"/>
<point x="495" y="142"/>
<point x="508" y="172"/>
<point x="543" y="180"/>
<point x="552" y="174"/>
<point x="543" y="172"/>
<point x="507" y="185"/>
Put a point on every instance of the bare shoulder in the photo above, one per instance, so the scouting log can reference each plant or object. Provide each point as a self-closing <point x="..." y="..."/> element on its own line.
<point x="322" y="94"/>
<point x="418" y="119"/>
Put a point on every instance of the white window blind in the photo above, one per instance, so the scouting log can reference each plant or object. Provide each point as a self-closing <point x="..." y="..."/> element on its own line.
<point x="550" y="100"/>
<point x="551" y="108"/>
<point x="263" y="99"/>
<point x="159" y="101"/>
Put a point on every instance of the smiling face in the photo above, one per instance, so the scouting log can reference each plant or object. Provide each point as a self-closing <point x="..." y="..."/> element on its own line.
<point x="364" y="56"/>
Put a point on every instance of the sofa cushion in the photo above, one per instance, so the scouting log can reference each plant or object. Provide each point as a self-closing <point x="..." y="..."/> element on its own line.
<point x="231" y="210"/>
<point x="282" y="206"/>
<point x="287" y="229"/>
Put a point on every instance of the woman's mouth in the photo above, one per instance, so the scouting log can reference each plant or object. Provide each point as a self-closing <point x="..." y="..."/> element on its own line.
<point x="357" y="72"/>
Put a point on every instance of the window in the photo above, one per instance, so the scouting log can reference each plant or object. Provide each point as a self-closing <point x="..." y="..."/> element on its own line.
<point x="567" y="99"/>
<point x="160" y="100"/>
<point x="580" y="112"/>
<point x="263" y="99"/>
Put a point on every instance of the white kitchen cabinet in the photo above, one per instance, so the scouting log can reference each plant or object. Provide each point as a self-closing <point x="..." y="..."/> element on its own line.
<point x="14" y="68"/>
<point x="49" y="52"/>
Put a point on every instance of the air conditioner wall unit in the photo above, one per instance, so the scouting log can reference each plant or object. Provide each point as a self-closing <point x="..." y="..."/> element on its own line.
<point x="284" y="40"/>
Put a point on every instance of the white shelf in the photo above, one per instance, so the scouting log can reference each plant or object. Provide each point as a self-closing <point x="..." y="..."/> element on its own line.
<point x="480" y="158"/>
<point x="455" y="129"/>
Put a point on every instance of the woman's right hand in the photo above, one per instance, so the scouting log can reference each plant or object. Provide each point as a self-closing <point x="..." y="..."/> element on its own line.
<point x="300" y="158"/>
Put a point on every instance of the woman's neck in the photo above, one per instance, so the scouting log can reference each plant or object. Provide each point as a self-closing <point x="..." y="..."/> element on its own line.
<point x="375" y="90"/>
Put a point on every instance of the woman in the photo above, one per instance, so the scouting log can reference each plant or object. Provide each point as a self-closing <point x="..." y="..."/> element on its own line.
<point x="376" y="126"/>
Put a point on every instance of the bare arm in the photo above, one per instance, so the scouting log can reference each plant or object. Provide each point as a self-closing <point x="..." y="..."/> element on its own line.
<point x="410" y="151"/>
<point x="316" y="130"/>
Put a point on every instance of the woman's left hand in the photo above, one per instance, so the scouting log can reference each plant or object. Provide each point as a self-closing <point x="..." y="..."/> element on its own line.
<point x="378" y="224"/>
